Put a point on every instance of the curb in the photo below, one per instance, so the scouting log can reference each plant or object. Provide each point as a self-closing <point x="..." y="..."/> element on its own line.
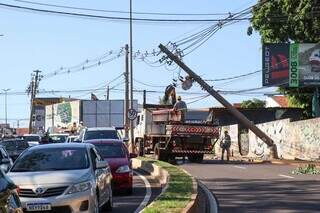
<point x="190" y="208"/>
<point x="163" y="177"/>
<point x="212" y="201"/>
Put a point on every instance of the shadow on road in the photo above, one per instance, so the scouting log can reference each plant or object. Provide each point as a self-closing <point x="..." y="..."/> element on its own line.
<point x="257" y="195"/>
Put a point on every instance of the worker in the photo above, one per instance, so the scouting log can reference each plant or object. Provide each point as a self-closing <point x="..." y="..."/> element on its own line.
<point x="74" y="128"/>
<point x="181" y="106"/>
<point x="80" y="127"/>
<point x="46" y="139"/>
<point x="225" y="145"/>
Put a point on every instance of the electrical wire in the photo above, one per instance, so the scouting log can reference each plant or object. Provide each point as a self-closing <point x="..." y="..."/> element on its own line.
<point x="110" y="18"/>
<point x="119" y="11"/>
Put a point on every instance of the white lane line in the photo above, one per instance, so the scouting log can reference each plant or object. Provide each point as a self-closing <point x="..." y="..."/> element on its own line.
<point x="286" y="176"/>
<point x="148" y="192"/>
<point x="240" y="167"/>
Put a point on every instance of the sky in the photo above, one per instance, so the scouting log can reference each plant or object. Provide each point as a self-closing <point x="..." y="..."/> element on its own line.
<point x="46" y="42"/>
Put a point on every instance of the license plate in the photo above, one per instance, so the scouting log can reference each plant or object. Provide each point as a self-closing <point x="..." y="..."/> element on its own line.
<point x="38" y="207"/>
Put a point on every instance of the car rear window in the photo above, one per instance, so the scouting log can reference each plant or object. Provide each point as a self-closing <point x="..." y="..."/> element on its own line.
<point x="101" y="134"/>
<point x="111" y="150"/>
<point x="31" y="138"/>
<point x="52" y="159"/>
<point x="14" y="145"/>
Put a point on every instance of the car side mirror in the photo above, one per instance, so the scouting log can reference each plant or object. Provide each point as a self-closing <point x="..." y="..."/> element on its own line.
<point x="101" y="164"/>
<point x="126" y="140"/>
<point x="5" y="160"/>
<point x="133" y="155"/>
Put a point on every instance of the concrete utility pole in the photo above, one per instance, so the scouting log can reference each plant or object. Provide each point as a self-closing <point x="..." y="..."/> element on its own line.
<point x="242" y="119"/>
<point x="5" y="104"/>
<point x="33" y="91"/>
<point x="131" y="80"/>
<point x="108" y="93"/>
<point x="126" y="103"/>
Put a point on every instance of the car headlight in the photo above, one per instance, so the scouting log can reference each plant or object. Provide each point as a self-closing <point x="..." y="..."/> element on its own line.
<point x="123" y="169"/>
<point x="80" y="187"/>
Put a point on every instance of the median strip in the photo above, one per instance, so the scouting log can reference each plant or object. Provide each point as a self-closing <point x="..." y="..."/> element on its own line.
<point x="178" y="190"/>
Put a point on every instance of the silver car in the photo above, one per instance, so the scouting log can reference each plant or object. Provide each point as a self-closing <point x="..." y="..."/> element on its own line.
<point x="67" y="177"/>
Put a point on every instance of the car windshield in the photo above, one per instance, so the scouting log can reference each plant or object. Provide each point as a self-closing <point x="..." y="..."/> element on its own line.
<point x="110" y="150"/>
<point x="31" y="138"/>
<point x="52" y="159"/>
<point x="58" y="138"/>
<point x="101" y="134"/>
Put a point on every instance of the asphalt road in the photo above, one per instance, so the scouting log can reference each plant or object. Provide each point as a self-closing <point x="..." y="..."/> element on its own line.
<point x="123" y="203"/>
<point x="258" y="187"/>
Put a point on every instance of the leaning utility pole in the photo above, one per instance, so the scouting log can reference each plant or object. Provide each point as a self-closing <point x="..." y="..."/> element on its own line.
<point x="33" y="91"/>
<point x="242" y="119"/>
<point x="126" y="102"/>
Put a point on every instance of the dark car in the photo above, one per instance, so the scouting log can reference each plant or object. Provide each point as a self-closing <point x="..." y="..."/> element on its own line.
<point x="9" y="199"/>
<point x="15" y="147"/>
<point x="117" y="155"/>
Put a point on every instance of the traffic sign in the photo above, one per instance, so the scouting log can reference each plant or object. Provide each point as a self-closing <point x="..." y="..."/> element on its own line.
<point x="132" y="114"/>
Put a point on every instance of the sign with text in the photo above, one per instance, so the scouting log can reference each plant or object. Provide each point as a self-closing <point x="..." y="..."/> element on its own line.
<point x="291" y="65"/>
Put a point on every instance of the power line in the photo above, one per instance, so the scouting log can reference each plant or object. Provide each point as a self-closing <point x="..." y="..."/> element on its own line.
<point x="110" y="18"/>
<point x="235" y="77"/>
<point x="120" y="11"/>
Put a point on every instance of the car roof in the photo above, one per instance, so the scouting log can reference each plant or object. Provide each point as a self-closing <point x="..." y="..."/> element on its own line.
<point x="62" y="145"/>
<point x="59" y="134"/>
<point x="100" y="128"/>
<point x="104" y="141"/>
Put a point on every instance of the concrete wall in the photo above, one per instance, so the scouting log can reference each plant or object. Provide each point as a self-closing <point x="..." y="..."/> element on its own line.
<point x="300" y="139"/>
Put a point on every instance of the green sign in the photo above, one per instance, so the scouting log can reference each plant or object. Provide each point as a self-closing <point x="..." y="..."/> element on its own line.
<point x="294" y="66"/>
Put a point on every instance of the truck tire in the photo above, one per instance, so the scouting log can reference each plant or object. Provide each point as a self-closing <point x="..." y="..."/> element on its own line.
<point x="159" y="154"/>
<point x="196" y="158"/>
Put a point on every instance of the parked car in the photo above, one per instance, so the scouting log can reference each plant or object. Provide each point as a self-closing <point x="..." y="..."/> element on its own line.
<point x="32" y="139"/>
<point x="59" y="137"/>
<point x="69" y="177"/>
<point x="117" y="155"/>
<point x="71" y="138"/>
<point x="5" y="160"/>
<point x="9" y="199"/>
<point x="15" y="147"/>
<point x="98" y="133"/>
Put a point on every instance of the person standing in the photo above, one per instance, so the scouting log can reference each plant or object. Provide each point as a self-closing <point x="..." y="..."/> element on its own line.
<point x="225" y="145"/>
<point x="180" y="105"/>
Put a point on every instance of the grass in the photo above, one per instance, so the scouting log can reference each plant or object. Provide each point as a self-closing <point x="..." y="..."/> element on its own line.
<point x="178" y="192"/>
<point x="309" y="169"/>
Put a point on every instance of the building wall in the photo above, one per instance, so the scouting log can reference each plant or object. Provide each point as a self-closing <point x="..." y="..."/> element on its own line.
<point x="271" y="103"/>
<point x="299" y="139"/>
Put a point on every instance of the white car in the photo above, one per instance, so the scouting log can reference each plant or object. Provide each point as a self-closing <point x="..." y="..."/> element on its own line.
<point x="69" y="177"/>
<point x="32" y="139"/>
<point x="59" y="137"/>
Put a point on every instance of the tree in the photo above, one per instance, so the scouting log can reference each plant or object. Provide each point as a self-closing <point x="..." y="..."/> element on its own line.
<point x="254" y="103"/>
<point x="289" y="21"/>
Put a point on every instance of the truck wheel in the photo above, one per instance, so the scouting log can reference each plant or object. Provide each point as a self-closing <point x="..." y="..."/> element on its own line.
<point x="159" y="154"/>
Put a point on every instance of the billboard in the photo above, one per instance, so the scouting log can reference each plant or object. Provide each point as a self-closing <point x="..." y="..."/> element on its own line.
<point x="39" y="118"/>
<point x="62" y="115"/>
<point x="291" y="65"/>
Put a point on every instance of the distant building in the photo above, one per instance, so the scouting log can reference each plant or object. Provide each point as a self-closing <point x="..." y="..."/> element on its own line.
<point x="277" y="101"/>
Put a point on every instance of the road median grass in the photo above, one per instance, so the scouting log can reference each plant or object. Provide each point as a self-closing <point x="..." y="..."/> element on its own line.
<point x="177" y="194"/>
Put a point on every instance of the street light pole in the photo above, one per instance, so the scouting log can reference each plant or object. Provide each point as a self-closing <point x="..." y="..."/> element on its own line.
<point x="5" y="103"/>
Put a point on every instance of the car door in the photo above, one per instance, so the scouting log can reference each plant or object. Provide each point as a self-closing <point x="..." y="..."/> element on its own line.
<point x="101" y="176"/>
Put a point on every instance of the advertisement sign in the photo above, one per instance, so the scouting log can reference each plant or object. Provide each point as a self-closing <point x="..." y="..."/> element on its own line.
<point x="62" y="115"/>
<point x="39" y="118"/>
<point x="291" y="65"/>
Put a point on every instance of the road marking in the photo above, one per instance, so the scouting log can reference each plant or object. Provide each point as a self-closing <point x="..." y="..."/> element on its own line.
<point x="286" y="176"/>
<point x="148" y="193"/>
<point x="240" y="167"/>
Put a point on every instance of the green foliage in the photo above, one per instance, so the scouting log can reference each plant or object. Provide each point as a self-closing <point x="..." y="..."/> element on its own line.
<point x="309" y="169"/>
<point x="254" y="103"/>
<point x="289" y="21"/>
